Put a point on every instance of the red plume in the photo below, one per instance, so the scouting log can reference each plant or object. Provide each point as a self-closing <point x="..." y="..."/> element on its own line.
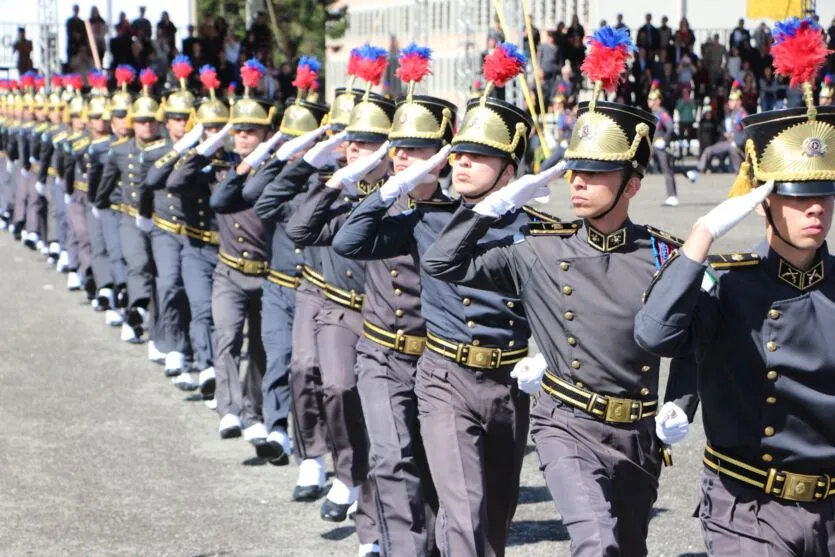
<point x="251" y="73"/>
<point x="353" y="62"/>
<point x="147" y="78"/>
<point x="209" y="79"/>
<point x="414" y="63"/>
<point x="306" y="78"/>
<point x="181" y="67"/>
<point x="503" y="64"/>
<point x="56" y="81"/>
<point x="27" y="80"/>
<point x="372" y="64"/>
<point x="609" y="50"/>
<point x="40" y="82"/>
<point x="799" y="50"/>
<point x="124" y="75"/>
<point x="74" y="81"/>
<point x="97" y="80"/>
<point x="13" y="85"/>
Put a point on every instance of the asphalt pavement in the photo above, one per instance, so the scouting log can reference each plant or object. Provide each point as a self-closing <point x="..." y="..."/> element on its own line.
<point x="101" y="455"/>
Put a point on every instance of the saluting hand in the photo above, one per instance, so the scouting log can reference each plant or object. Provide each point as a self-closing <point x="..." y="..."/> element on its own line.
<point x="298" y="144"/>
<point x="211" y="144"/>
<point x="423" y="172"/>
<point x="324" y="152"/>
<point x="514" y="195"/>
<point x="189" y="139"/>
<point x="359" y="169"/>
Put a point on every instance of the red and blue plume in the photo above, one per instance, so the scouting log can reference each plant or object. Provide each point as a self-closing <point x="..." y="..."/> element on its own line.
<point x="124" y="74"/>
<point x="40" y="82"/>
<point x="13" y="85"/>
<point x="251" y="73"/>
<point x="414" y="63"/>
<point x="655" y="84"/>
<point x="736" y="84"/>
<point x="799" y="50"/>
<point x="56" y="81"/>
<point x="503" y="64"/>
<point x="74" y="81"/>
<point x="97" y="80"/>
<point x="827" y="79"/>
<point x="208" y="77"/>
<point x="4" y="84"/>
<point x="181" y="66"/>
<point x="353" y="62"/>
<point x="561" y="88"/>
<point x="230" y="89"/>
<point x="307" y="74"/>
<point x="27" y="79"/>
<point x="372" y="63"/>
<point x="147" y="77"/>
<point x="609" y="50"/>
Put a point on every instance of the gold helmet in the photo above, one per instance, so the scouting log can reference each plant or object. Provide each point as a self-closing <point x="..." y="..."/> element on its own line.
<point x="303" y="114"/>
<point x="146" y="107"/>
<point x="98" y="105"/>
<point x="121" y="99"/>
<point x="249" y="112"/>
<point x="180" y="101"/>
<point x="211" y="111"/>
<point x="371" y="117"/>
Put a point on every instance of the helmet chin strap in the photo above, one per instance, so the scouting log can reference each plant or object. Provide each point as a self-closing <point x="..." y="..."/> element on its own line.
<point x="496" y="181"/>
<point x="627" y="175"/>
<point x="777" y="233"/>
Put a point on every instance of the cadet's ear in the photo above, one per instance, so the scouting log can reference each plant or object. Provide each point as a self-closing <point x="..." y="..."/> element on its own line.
<point x="633" y="186"/>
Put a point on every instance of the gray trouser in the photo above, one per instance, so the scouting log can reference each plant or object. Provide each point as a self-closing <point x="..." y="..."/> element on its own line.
<point x="7" y="187"/>
<point x="199" y="262"/>
<point x="738" y="519"/>
<point x="80" y="240"/>
<point x="721" y="149"/>
<point x="277" y="334"/>
<point x="98" y="251"/>
<point x="662" y="159"/>
<point x="603" y="477"/>
<point x="21" y="194"/>
<point x="403" y="490"/>
<point x="171" y="330"/>
<point x="236" y="298"/>
<point x="110" y="220"/>
<point x="57" y="212"/>
<point x="36" y="210"/>
<point x="337" y="331"/>
<point x="136" y="246"/>
<point x="310" y="433"/>
<point x="475" y="429"/>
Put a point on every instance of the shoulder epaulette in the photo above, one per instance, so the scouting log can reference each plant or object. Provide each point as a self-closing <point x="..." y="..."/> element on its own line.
<point x="81" y="143"/>
<point x="54" y="127"/>
<point x="733" y="260"/>
<point x="60" y="136"/>
<point x="75" y="135"/>
<point x="102" y="139"/>
<point x="120" y="141"/>
<point x="661" y="235"/>
<point x="553" y="228"/>
<point x="42" y="127"/>
<point x="166" y="158"/>
<point x="27" y="125"/>
<point x="541" y="215"/>
<point x="155" y="145"/>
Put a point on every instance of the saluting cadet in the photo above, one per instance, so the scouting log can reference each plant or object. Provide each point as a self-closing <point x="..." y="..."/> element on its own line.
<point x="474" y="421"/>
<point x="51" y="168"/>
<point x="15" y="102"/>
<point x="36" y="203"/>
<point x="580" y="284"/>
<point x="664" y="128"/>
<point x="124" y="173"/>
<point x="761" y="326"/>
<point x="275" y="206"/>
<point x="301" y="122"/>
<point x="76" y="131"/>
<point x="236" y="290"/>
<point x="193" y="179"/>
<point x="733" y="137"/>
<point x="321" y="213"/>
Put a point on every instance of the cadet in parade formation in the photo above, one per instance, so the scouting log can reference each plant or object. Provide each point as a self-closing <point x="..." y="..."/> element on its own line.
<point x="387" y="323"/>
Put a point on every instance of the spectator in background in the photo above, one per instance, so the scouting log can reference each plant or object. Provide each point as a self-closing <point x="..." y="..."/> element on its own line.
<point x="23" y="47"/>
<point x="99" y="28"/>
<point x="648" y="36"/>
<point x="768" y="90"/>
<point x="740" y="37"/>
<point x="120" y="46"/>
<point x="576" y="30"/>
<point x="231" y="47"/>
<point x="683" y="41"/>
<point x="713" y="56"/>
<point x="831" y="34"/>
<point x="495" y="32"/>
<point x="75" y="32"/>
<point x="142" y="26"/>
<point x="749" y="93"/>
<point x="163" y="53"/>
<point x="621" y="25"/>
<point x="685" y="113"/>
<point x="168" y="30"/>
<point x="526" y="42"/>
<point x="123" y="20"/>
<point x="735" y="64"/>
<point x="188" y="43"/>
<point x="222" y="28"/>
<point x="210" y="44"/>
<point x="665" y="34"/>
<point x="549" y="66"/>
<point x="82" y="61"/>
<point x="641" y="64"/>
<point x="261" y="33"/>
<point x="762" y="36"/>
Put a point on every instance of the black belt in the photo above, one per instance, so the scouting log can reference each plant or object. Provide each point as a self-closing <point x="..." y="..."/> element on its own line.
<point x="245" y="266"/>
<point x="603" y="407"/>
<point x="470" y="355"/>
<point x="282" y="279"/>
<point x="411" y="345"/>
<point x="313" y="277"/>
<point x="779" y="484"/>
<point x="346" y="298"/>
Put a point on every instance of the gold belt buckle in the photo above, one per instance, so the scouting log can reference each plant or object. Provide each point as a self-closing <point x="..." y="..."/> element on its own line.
<point x="799" y="487"/>
<point x="619" y="410"/>
<point x="410" y="345"/>
<point x="480" y="357"/>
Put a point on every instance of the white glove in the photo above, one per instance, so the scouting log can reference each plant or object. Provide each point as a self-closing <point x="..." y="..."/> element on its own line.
<point x="9" y="166"/>
<point x="359" y="169"/>
<point x="324" y="152"/>
<point x="33" y="160"/>
<point x="211" y="145"/>
<point x="67" y="199"/>
<point x="189" y="140"/>
<point x="298" y="144"/>
<point x="39" y="187"/>
<point x="24" y="172"/>
<point x="262" y="151"/>
<point x="671" y="424"/>
<point x="96" y="213"/>
<point x="730" y="212"/>
<point x="410" y="178"/>
<point x="517" y="193"/>
<point x="144" y="224"/>
<point x="528" y="373"/>
<point x="660" y="144"/>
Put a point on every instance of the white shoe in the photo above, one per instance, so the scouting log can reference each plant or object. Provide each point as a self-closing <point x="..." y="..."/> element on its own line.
<point x="128" y="334"/>
<point x="693" y="175"/>
<point x="184" y="382"/>
<point x="352" y="513"/>
<point x="113" y="318"/>
<point x="211" y="404"/>
<point x="63" y="262"/>
<point x="312" y="472"/>
<point x="55" y="249"/>
<point x="255" y="433"/>
<point x="73" y="281"/>
<point x="174" y="363"/>
<point x="230" y="426"/>
<point x="368" y="548"/>
<point x="24" y="236"/>
<point x="41" y="246"/>
<point x="155" y="355"/>
<point x="671" y="201"/>
<point x="342" y="494"/>
<point x="207" y="383"/>
<point x="3" y="225"/>
<point x="280" y="437"/>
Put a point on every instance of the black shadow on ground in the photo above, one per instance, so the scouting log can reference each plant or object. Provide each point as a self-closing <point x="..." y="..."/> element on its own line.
<point x="523" y="532"/>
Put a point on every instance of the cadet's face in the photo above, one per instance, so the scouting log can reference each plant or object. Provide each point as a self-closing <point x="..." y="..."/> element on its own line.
<point x="356" y="150"/>
<point x="119" y="125"/>
<point x="97" y="125"/>
<point x="40" y="114"/>
<point x="209" y="131"/>
<point x="803" y="221"/>
<point x="733" y="104"/>
<point x="77" y="123"/>
<point x="404" y="157"/>
<point x="146" y="131"/>
<point x="594" y="192"/>
<point x="55" y="116"/>
<point x="825" y="101"/>
<point x="247" y="140"/>
<point x="176" y="127"/>
<point x="475" y="176"/>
